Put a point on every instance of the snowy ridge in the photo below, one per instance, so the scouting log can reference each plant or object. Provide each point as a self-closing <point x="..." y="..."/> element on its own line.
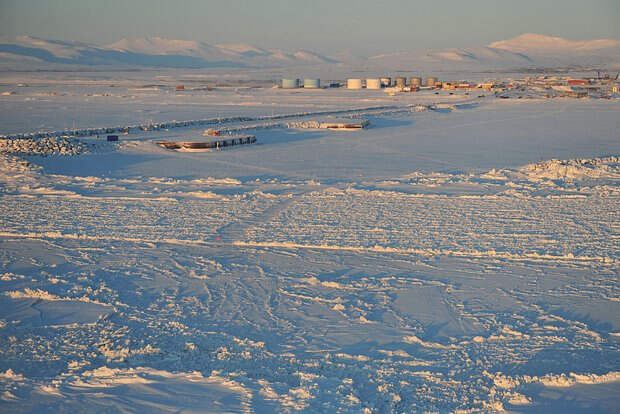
<point x="424" y="252"/>
<point x="574" y="169"/>
<point x="41" y="294"/>
<point x="558" y="381"/>
<point x="198" y="391"/>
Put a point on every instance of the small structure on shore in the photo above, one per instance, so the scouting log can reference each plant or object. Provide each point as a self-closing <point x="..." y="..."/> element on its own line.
<point x="334" y="124"/>
<point x="208" y="145"/>
<point x="211" y="133"/>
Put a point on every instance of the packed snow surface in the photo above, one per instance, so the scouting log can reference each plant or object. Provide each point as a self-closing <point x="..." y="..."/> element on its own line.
<point x="463" y="258"/>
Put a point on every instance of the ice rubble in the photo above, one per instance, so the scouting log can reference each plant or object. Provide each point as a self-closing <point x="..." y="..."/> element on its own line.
<point x="606" y="167"/>
<point x="554" y="380"/>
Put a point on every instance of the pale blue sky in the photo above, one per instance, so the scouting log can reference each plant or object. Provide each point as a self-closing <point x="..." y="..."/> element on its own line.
<point x="330" y="26"/>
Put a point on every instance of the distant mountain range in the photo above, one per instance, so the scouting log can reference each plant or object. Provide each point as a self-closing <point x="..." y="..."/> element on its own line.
<point x="525" y="51"/>
<point x="153" y="52"/>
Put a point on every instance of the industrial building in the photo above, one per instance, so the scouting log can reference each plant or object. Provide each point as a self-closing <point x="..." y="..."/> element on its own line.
<point x="354" y="83"/>
<point x="290" y="83"/>
<point x="577" y="82"/>
<point x="487" y="85"/>
<point x="312" y="83"/>
<point x="373" y="83"/>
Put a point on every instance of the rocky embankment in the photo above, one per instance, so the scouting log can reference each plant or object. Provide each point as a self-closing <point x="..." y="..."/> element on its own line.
<point x="44" y="146"/>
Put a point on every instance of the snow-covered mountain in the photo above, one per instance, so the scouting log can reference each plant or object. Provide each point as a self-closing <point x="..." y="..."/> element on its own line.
<point x="76" y="53"/>
<point x="550" y="50"/>
<point x="461" y="58"/>
<point x="154" y="52"/>
<point x="242" y="53"/>
<point x="161" y="46"/>
<point x="536" y="43"/>
<point x="524" y="51"/>
<point x="243" y="49"/>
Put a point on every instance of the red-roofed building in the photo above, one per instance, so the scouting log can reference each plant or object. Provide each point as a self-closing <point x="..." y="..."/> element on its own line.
<point x="574" y="82"/>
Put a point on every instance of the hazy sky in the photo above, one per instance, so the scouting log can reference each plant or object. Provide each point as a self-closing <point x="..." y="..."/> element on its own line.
<point x="330" y="26"/>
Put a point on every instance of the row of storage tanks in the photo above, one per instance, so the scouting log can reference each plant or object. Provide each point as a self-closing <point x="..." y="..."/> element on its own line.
<point x="295" y="83"/>
<point x="371" y="83"/>
<point x="378" y="83"/>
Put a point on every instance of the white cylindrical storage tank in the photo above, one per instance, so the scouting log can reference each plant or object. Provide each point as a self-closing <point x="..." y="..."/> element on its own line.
<point x="431" y="81"/>
<point x="290" y="83"/>
<point x="401" y="81"/>
<point x="415" y="81"/>
<point x="312" y="83"/>
<point x="354" y="84"/>
<point x="373" y="83"/>
<point x="385" y="82"/>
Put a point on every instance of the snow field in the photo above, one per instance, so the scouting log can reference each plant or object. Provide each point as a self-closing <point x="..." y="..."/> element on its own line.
<point x="373" y="309"/>
<point x="257" y="281"/>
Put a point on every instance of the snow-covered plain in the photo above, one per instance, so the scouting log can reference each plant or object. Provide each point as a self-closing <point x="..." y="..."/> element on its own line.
<point x="457" y="259"/>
